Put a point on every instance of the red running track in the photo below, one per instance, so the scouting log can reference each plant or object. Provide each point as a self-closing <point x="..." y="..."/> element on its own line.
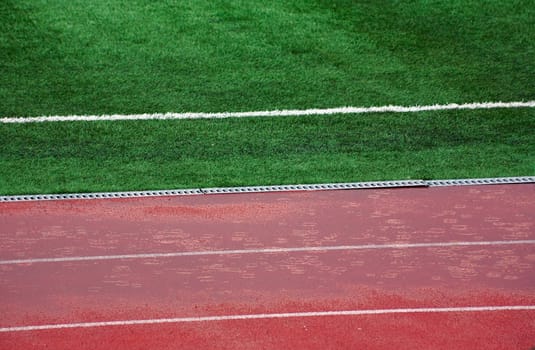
<point x="459" y="248"/>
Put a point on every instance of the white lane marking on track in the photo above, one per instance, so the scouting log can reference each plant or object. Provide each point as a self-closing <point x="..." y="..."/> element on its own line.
<point x="264" y="251"/>
<point x="273" y="113"/>
<point x="270" y="316"/>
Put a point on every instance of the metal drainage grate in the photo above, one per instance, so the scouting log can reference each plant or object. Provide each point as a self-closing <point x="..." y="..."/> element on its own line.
<point x="252" y="189"/>
<point x="315" y="187"/>
<point x="485" y="181"/>
<point x="98" y="195"/>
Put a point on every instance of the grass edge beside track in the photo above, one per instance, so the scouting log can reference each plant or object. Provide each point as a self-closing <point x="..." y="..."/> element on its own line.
<point x="146" y="155"/>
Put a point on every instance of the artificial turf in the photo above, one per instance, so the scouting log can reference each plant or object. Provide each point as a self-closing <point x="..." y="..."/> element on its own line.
<point x="61" y="57"/>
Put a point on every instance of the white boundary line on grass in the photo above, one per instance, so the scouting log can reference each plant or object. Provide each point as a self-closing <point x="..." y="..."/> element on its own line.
<point x="265" y="251"/>
<point x="273" y="113"/>
<point x="271" y="316"/>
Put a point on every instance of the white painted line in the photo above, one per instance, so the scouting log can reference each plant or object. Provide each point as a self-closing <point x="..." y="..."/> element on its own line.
<point x="273" y="113"/>
<point x="265" y="251"/>
<point x="271" y="316"/>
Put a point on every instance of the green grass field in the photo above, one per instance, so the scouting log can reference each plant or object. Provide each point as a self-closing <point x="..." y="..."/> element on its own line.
<point x="61" y="57"/>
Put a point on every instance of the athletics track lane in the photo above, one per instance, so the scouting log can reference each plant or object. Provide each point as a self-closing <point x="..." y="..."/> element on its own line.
<point x="250" y="281"/>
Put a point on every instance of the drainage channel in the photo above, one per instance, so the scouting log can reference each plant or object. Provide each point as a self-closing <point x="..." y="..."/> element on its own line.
<point x="280" y="188"/>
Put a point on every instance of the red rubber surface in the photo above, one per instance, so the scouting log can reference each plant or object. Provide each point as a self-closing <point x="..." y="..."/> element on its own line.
<point x="110" y="290"/>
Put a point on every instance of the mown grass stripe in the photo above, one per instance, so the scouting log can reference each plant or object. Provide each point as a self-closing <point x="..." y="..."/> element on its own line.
<point x="139" y="156"/>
